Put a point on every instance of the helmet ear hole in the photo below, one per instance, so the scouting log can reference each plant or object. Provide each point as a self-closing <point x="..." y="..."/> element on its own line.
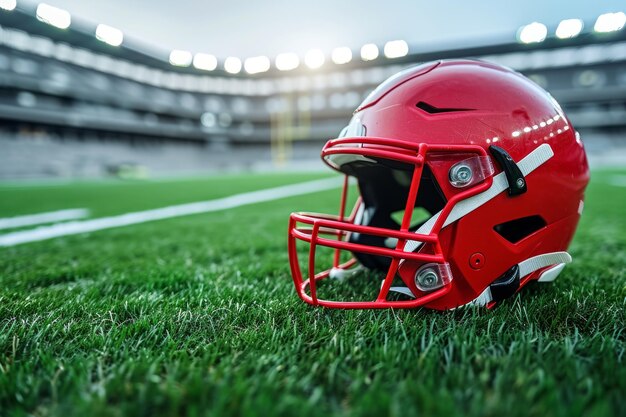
<point x="518" y="229"/>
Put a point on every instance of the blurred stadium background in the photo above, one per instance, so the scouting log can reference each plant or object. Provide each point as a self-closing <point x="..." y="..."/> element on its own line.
<point x="82" y="99"/>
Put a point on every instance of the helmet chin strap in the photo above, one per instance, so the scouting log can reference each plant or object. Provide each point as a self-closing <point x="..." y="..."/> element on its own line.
<point x="341" y="274"/>
<point x="527" y="267"/>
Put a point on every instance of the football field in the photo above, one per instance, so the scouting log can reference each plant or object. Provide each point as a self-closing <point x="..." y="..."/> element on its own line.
<point x="194" y="313"/>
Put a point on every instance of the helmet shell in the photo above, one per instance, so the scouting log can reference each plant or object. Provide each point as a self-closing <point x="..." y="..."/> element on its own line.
<point x="463" y="102"/>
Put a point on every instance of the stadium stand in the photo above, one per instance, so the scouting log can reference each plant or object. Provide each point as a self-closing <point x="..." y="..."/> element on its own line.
<point x="71" y="105"/>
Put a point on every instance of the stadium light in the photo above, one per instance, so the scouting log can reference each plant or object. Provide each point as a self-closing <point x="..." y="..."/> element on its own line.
<point x="610" y="22"/>
<point x="257" y="64"/>
<point x="232" y="65"/>
<point x="369" y="52"/>
<point x="109" y="34"/>
<point x="54" y="16"/>
<point x="314" y="58"/>
<point x="205" y="62"/>
<point x="569" y="28"/>
<point x="180" y="58"/>
<point x="287" y="61"/>
<point x="341" y="55"/>
<point x="8" y="4"/>
<point x="532" y="33"/>
<point x="396" y="49"/>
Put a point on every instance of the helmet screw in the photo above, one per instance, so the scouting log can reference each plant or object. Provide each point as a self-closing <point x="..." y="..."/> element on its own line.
<point x="520" y="182"/>
<point x="477" y="260"/>
<point x="460" y="175"/>
<point x="427" y="279"/>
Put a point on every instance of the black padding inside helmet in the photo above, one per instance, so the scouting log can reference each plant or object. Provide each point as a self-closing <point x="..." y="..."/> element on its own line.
<point x="384" y="188"/>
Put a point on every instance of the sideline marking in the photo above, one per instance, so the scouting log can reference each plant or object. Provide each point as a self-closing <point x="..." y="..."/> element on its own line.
<point x="39" y="218"/>
<point x="237" y="200"/>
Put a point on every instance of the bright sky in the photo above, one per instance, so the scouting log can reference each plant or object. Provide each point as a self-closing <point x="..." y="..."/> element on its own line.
<point x="247" y="27"/>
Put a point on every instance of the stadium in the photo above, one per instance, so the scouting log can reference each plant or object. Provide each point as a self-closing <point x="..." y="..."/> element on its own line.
<point x="151" y="155"/>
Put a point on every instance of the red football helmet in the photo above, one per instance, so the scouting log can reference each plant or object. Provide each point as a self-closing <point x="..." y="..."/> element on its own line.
<point x="485" y="156"/>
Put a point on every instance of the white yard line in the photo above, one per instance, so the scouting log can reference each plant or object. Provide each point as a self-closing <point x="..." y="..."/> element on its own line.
<point x="618" y="180"/>
<point x="40" y="218"/>
<point x="237" y="200"/>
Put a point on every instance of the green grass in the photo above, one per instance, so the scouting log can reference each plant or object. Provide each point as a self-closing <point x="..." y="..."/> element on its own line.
<point x="198" y="316"/>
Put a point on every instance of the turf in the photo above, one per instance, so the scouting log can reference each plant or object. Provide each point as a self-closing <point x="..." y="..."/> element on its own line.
<point x="198" y="316"/>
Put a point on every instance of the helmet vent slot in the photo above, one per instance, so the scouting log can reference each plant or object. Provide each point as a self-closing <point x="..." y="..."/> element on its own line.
<point x="429" y="108"/>
<point x="518" y="229"/>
